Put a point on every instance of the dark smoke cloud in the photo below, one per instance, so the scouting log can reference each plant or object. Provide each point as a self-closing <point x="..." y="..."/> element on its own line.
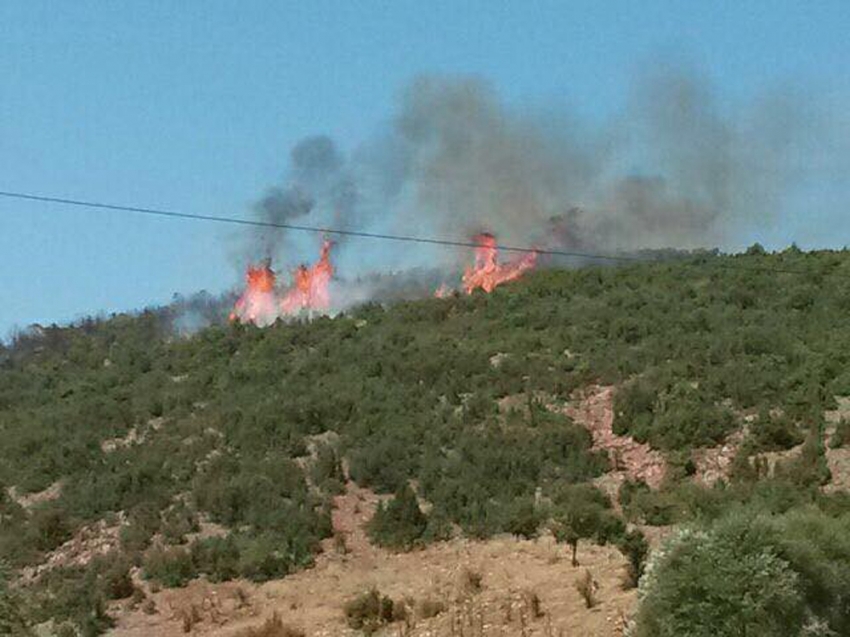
<point x="676" y="167"/>
<point x="317" y="187"/>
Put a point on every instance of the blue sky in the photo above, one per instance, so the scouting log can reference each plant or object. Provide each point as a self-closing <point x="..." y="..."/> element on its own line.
<point x="194" y="105"/>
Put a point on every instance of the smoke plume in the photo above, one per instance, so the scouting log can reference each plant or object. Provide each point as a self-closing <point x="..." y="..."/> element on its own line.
<point x="676" y="167"/>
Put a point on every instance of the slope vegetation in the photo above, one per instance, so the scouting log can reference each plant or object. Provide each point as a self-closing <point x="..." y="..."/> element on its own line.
<point x="130" y="453"/>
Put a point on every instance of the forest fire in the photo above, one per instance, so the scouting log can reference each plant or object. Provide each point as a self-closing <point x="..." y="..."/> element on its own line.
<point x="258" y="304"/>
<point x="310" y="285"/>
<point x="261" y="304"/>
<point x="487" y="273"/>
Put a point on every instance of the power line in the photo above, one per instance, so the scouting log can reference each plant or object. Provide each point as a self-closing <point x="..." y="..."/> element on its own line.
<point x="176" y="214"/>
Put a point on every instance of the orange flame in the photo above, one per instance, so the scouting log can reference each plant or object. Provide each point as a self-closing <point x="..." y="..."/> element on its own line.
<point x="310" y="288"/>
<point x="258" y="304"/>
<point x="487" y="273"/>
<point x="261" y="305"/>
<point x="443" y="292"/>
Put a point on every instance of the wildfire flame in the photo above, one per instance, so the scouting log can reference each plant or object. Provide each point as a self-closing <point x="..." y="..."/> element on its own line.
<point x="310" y="288"/>
<point x="258" y="304"/>
<point x="261" y="305"/>
<point x="487" y="273"/>
<point x="443" y="292"/>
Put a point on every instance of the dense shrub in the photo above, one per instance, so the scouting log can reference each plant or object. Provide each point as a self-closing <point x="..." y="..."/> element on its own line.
<point x="12" y="621"/>
<point x="751" y="575"/>
<point x="775" y="432"/>
<point x="371" y="610"/>
<point x="400" y="523"/>
<point x="841" y="435"/>
<point x="582" y="512"/>
<point x="170" y="567"/>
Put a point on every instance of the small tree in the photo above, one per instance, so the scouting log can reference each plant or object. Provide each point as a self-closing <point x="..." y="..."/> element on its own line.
<point x="399" y="524"/>
<point x="582" y="513"/>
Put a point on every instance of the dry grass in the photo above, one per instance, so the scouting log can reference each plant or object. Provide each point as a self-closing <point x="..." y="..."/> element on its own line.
<point x="586" y="586"/>
<point x="499" y="582"/>
<point x="190" y="617"/>
<point x="532" y="604"/>
<point x="428" y="608"/>
<point x="469" y="582"/>
<point x="272" y="627"/>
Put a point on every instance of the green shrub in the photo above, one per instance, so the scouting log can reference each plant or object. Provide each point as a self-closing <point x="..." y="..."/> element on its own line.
<point x="582" y="512"/>
<point x="775" y="433"/>
<point x="216" y="557"/>
<point x="399" y="524"/>
<point x="12" y="621"/>
<point x="809" y="468"/>
<point x="171" y="566"/>
<point x="635" y="548"/>
<point x="841" y="435"/>
<point x="370" y="610"/>
<point x="49" y="527"/>
<point x="752" y="575"/>
<point x="178" y="521"/>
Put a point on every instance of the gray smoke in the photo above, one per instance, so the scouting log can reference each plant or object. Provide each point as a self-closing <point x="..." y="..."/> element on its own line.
<point x="675" y="168"/>
<point x="316" y="187"/>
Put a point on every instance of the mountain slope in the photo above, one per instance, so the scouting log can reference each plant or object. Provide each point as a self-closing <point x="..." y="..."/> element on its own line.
<point x="118" y="425"/>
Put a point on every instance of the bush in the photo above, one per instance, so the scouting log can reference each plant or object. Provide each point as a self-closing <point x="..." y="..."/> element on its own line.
<point x="178" y="521"/>
<point x="272" y="627"/>
<point x="11" y="619"/>
<point x="115" y="580"/>
<point x="809" y="468"/>
<point x="369" y="611"/>
<point x="428" y="608"/>
<point x="841" y="435"/>
<point x="635" y="548"/>
<point x="171" y="567"/>
<point x="775" y="433"/>
<point x="400" y="524"/>
<point x="216" y="557"/>
<point x="586" y="586"/>
<point x="759" y="576"/>
<point x="49" y="527"/>
<point x="524" y="519"/>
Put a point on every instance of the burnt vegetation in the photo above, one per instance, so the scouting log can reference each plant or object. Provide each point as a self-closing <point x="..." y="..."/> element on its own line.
<point x="157" y="433"/>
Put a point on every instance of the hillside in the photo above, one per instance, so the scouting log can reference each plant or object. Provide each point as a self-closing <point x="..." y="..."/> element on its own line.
<point x="585" y="406"/>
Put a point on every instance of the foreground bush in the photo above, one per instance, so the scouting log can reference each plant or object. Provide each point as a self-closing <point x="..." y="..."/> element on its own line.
<point x="755" y="576"/>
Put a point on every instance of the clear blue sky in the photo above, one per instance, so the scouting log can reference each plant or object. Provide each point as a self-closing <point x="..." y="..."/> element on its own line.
<point x="193" y="105"/>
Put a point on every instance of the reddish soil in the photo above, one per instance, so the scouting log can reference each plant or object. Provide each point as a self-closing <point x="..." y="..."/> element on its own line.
<point x="593" y="408"/>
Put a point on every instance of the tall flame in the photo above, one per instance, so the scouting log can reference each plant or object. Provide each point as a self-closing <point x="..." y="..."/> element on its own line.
<point x="261" y="304"/>
<point x="310" y="285"/>
<point x="487" y="273"/>
<point x="258" y="303"/>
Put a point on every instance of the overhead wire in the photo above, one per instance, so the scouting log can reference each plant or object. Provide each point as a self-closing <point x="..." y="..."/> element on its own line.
<point x="176" y="214"/>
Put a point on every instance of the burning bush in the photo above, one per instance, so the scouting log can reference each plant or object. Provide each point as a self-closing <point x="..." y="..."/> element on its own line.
<point x="261" y="303"/>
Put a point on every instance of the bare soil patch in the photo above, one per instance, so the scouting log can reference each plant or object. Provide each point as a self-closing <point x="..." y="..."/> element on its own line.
<point x="593" y="408"/>
<point x="526" y="588"/>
